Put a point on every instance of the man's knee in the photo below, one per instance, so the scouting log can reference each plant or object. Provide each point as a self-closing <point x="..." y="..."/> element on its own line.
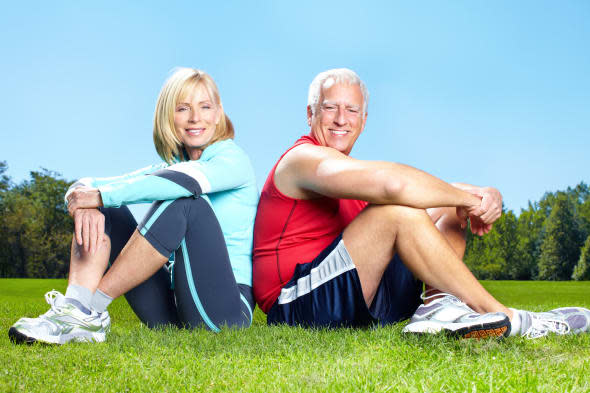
<point x="448" y="219"/>
<point x="397" y="214"/>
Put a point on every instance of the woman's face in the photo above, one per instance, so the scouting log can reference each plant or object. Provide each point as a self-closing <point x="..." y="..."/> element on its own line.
<point x="195" y="119"/>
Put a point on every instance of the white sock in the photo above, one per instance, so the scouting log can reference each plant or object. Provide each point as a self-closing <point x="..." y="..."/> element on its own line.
<point x="79" y="293"/>
<point x="100" y="301"/>
<point x="515" y="323"/>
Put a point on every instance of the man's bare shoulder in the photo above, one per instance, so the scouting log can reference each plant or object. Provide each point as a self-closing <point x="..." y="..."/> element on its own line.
<point x="298" y="164"/>
<point x="307" y="154"/>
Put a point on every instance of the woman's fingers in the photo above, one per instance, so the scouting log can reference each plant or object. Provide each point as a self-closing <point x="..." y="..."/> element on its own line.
<point x="78" y="226"/>
<point x="86" y="232"/>
<point x="89" y="229"/>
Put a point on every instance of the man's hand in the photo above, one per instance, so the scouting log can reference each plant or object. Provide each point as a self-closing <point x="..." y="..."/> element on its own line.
<point x="88" y="228"/>
<point x="491" y="205"/>
<point x="483" y="216"/>
<point x="84" y="198"/>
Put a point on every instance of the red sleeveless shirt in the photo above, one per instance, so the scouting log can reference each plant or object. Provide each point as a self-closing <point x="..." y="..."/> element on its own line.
<point x="289" y="231"/>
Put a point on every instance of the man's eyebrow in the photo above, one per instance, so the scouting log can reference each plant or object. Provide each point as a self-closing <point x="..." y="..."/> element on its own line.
<point x="328" y="102"/>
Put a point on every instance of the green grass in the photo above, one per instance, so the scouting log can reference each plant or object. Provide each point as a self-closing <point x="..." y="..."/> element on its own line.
<point x="263" y="358"/>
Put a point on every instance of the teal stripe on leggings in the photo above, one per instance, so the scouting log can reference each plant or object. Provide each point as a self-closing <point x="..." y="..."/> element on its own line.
<point x="155" y="216"/>
<point x="247" y="306"/>
<point x="193" y="290"/>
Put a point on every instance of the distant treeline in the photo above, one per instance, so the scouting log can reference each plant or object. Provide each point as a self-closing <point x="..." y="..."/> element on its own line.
<point x="35" y="228"/>
<point x="550" y="240"/>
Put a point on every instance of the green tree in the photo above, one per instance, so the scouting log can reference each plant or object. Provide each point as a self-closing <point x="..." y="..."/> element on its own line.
<point x="530" y="234"/>
<point x="4" y="179"/>
<point x="495" y="255"/>
<point x="582" y="269"/>
<point x="35" y="228"/>
<point x="560" y="249"/>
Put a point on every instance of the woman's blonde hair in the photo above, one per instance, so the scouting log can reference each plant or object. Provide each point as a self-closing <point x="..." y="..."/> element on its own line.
<point x="180" y="84"/>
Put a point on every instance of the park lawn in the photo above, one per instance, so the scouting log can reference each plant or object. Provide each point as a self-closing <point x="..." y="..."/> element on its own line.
<point x="268" y="359"/>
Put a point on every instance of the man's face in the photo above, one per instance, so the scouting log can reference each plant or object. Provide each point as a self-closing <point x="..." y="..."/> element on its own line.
<point x="339" y="118"/>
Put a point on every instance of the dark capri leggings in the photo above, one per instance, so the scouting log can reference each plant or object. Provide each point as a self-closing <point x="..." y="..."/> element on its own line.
<point x="199" y="289"/>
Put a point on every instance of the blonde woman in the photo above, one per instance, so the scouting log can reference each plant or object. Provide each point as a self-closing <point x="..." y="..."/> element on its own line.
<point x="204" y="202"/>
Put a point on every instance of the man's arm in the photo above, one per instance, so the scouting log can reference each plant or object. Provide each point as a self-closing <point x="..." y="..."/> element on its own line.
<point x="325" y="171"/>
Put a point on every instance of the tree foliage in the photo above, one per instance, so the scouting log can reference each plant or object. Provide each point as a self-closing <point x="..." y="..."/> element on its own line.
<point x="560" y="249"/>
<point x="582" y="269"/>
<point x="543" y="242"/>
<point x="35" y="229"/>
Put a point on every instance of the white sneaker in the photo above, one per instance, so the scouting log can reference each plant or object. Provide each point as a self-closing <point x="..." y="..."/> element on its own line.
<point x="449" y="315"/>
<point x="564" y="320"/>
<point x="63" y="323"/>
<point x="105" y="321"/>
<point x="578" y="318"/>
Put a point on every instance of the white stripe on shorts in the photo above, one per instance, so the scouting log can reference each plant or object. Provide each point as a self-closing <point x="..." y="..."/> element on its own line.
<point x="336" y="263"/>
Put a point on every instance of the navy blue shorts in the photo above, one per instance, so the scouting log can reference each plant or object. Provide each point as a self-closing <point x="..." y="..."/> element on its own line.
<point x="326" y="292"/>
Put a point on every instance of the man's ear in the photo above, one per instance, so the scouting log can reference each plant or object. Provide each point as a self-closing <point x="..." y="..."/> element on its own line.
<point x="364" y="121"/>
<point x="309" y="115"/>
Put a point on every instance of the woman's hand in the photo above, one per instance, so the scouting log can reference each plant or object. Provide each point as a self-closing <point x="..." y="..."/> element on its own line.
<point x="88" y="228"/>
<point x="84" y="198"/>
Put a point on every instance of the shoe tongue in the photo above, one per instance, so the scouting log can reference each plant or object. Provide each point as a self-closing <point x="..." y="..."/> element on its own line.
<point x="525" y="321"/>
<point x="76" y="304"/>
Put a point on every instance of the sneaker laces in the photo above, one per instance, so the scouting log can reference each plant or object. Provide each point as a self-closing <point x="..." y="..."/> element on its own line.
<point x="451" y="298"/>
<point x="51" y="299"/>
<point x="542" y="326"/>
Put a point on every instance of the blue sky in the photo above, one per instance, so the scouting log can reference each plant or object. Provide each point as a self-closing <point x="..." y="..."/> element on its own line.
<point x="489" y="93"/>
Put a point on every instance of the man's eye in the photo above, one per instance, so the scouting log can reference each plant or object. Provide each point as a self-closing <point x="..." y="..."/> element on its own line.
<point x="329" y="108"/>
<point x="353" y="110"/>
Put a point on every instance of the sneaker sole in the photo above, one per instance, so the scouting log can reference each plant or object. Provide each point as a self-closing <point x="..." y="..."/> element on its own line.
<point x="496" y="329"/>
<point x="21" y="338"/>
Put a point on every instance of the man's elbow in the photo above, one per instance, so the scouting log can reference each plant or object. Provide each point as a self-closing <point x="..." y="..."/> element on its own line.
<point x="394" y="189"/>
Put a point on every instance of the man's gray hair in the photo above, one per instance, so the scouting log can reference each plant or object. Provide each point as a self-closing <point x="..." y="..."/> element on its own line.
<point x="328" y="78"/>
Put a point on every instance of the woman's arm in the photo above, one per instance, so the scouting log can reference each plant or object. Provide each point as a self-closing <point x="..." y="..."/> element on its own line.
<point x="223" y="166"/>
<point x="100" y="181"/>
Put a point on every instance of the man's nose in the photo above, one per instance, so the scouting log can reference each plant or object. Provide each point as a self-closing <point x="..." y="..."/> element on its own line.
<point x="340" y="118"/>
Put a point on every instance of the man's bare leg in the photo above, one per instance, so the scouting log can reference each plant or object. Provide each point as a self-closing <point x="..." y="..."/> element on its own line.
<point x="446" y="221"/>
<point x="380" y="231"/>
<point x="137" y="262"/>
<point x="449" y="225"/>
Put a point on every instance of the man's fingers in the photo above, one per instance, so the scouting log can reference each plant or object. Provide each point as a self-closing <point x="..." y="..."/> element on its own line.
<point x="487" y="216"/>
<point x="491" y="216"/>
<point x="462" y="216"/>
